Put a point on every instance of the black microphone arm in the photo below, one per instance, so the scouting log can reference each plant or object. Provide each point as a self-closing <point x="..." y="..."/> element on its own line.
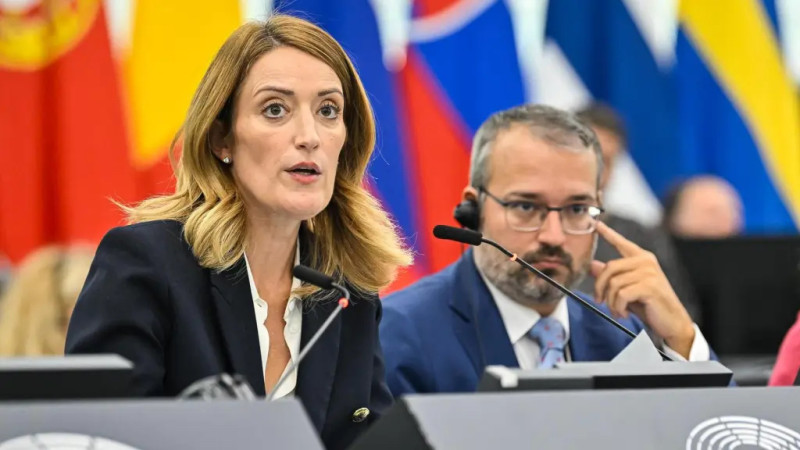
<point x="475" y="238"/>
<point x="311" y="276"/>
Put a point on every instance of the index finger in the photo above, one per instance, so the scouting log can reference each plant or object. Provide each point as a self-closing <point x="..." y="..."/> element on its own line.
<point x="618" y="241"/>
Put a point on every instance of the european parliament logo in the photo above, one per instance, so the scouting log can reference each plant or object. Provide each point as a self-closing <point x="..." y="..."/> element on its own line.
<point x="729" y="432"/>
<point x="62" y="441"/>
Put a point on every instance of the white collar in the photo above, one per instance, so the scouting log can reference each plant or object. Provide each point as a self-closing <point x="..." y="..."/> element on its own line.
<point x="295" y="282"/>
<point x="519" y="319"/>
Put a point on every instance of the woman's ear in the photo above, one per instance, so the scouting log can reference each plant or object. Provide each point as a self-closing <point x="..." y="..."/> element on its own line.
<point x="218" y="138"/>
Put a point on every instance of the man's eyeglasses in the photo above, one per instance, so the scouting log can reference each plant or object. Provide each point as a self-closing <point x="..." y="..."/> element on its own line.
<point x="525" y="215"/>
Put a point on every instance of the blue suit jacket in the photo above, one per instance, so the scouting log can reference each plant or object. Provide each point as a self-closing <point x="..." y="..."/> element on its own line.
<point x="440" y="333"/>
<point x="147" y="298"/>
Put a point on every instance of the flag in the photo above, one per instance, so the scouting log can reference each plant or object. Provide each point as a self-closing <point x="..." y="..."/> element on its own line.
<point x="81" y="126"/>
<point x="704" y="86"/>
<point x="739" y="109"/>
<point x="63" y="144"/>
<point x="681" y="74"/>
<point x="167" y="58"/>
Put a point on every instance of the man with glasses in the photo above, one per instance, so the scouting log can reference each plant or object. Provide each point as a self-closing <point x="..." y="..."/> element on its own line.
<point x="534" y="189"/>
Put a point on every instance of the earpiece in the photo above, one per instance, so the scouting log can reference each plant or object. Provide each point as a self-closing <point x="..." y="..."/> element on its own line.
<point x="467" y="213"/>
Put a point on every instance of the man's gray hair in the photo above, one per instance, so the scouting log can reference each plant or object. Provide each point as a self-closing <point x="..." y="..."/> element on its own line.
<point x="552" y="125"/>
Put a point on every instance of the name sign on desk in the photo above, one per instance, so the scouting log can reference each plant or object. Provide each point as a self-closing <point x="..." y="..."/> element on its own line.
<point x="156" y="424"/>
<point x="696" y="419"/>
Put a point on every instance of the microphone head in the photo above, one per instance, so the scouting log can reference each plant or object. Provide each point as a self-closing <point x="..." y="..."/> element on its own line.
<point x="462" y="235"/>
<point x="311" y="276"/>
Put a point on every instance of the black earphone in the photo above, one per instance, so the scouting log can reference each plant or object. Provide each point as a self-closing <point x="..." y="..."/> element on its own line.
<point x="468" y="214"/>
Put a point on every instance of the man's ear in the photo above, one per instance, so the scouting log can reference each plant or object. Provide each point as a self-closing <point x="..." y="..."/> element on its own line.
<point x="469" y="193"/>
<point x="218" y="138"/>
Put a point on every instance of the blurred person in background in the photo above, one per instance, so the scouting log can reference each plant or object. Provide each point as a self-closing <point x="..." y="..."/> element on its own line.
<point x="37" y="304"/>
<point x="703" y="207"/>
<point x="788" y="362"/>
<point x="612" y="134"/>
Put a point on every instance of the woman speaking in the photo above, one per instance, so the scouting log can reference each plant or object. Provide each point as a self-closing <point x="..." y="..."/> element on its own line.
<point x="271" y="171"/>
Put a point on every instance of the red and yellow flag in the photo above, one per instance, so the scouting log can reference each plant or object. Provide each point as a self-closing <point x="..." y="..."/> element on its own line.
<point x="63" y="144"/>
<point x="76" y="128"/>
<point x="171" y="47"/>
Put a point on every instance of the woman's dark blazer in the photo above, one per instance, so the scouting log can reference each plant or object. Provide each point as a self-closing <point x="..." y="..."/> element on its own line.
<point x="147" y="299"/>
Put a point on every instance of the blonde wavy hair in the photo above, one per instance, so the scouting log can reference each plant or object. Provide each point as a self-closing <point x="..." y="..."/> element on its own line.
<point x="352" y="236"/>
<point x="35" y="309"/>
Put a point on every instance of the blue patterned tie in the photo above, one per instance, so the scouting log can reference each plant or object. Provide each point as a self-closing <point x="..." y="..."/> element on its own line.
<point x="550" y="335"/>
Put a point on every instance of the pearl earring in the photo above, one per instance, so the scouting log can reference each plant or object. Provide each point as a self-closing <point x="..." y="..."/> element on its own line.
<point x="226" y="160"/>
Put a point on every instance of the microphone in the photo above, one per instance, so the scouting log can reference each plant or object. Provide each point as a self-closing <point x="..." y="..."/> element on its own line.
<point x="471" y="237"/>
<point x="311" y="276"/>
<point x="462" y="235"/>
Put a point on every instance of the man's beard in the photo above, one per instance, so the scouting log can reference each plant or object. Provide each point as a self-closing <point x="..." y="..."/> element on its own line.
<point x="523" y="286"/>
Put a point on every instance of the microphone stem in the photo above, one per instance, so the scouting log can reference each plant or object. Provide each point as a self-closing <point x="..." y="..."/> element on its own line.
<point x="311" y="342"/>
<point x="568" y="292"/>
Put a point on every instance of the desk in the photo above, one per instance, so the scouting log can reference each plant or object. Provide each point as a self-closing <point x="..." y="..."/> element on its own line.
<point x="624" y="419"/>
<point x="157" y="424"/>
